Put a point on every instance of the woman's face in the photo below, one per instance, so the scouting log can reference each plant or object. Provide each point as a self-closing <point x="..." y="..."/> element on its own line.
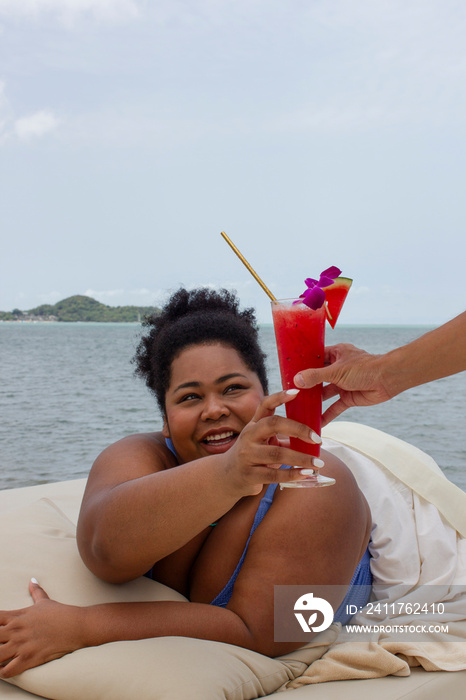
<point x="211" y="397"/>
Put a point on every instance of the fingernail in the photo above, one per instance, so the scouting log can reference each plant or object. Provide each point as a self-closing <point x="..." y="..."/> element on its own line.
<point x="34" y="581"/>
<point x="318" y="463"/>
<point x="299" y="381"/>
<point x="307" y="472"/>
<point x="316" y="438"/>
<point x="292" y="392"/>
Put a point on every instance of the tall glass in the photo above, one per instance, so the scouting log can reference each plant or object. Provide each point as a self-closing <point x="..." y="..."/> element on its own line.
<point x="300" y="333"/>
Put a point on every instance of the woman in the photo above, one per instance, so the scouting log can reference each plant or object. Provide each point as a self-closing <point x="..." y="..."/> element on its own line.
<point x="196" y="504"/>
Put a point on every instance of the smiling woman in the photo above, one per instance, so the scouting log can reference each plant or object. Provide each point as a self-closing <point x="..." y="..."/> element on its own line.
<point x="205" y="415"/>
<point x="151" y="498"/>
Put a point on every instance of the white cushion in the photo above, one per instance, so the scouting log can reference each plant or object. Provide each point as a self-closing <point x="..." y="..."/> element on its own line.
<point x="39" y="540"/>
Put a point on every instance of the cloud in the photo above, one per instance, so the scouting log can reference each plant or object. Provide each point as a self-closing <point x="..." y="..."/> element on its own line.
<point x="341" y="67"/>
<point x="25" y="128"/>
<point x="104" y="294"/>
<point x="35" y="125"/>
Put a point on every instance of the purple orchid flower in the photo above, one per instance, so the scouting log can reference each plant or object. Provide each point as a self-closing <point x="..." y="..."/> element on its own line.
<point x="314" y="296"/>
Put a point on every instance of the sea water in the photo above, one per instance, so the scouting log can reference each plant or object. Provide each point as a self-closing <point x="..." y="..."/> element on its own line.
<point x="67" y="391"/>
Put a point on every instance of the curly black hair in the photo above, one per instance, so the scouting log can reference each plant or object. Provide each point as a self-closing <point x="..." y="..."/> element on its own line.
<point x="195" y="317"/>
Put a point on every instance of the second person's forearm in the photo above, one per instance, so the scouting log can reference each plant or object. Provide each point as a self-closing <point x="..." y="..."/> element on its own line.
<point x="438" y="353"/>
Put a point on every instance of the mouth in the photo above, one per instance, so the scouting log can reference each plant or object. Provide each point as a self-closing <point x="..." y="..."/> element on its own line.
<point x="219" y="441"/>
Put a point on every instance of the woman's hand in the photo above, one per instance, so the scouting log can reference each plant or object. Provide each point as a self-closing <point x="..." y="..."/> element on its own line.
<point x="42" y="632"/>
<point x="258" y="453"/>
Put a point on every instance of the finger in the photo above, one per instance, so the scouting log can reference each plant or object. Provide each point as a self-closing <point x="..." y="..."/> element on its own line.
<point x="284" y="476"/>
<point x="4" y="632"/>
<point x="36" y="591"/>
<point x="341" y="351"/>
<point x="273" y="457"/>
<point x="4" y="618"/>
<point x="282" y="440"/>
<point x="308" y="378"/>
<point x="5" y="652"/>
<point x="333" y="352"/>
<point x="333" y="411"/>
<point x="5" y="660"/>
<point x="269" y="403"/>
<point x="329" y="391"/>
<point x="12" y="668"/>
<point x="271" y="426"/>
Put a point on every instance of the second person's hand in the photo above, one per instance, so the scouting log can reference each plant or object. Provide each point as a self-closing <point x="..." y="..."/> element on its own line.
<point x="350" y="373"/>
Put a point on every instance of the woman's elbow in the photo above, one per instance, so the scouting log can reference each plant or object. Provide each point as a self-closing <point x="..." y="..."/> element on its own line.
<point x="101" y="559"/>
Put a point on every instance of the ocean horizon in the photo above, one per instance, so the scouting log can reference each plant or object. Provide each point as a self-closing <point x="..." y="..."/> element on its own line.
<point x="68" y="389"/>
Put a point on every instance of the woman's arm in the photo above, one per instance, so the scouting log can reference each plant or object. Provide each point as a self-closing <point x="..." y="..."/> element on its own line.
<point x="49" y="630"/>
<point x="137" y="510"/>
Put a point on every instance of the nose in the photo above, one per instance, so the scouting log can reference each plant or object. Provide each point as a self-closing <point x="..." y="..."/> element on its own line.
<point x="214" y="407"/>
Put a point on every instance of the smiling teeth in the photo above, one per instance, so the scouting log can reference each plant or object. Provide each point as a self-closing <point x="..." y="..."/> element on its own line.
<point x="219" y="436"/>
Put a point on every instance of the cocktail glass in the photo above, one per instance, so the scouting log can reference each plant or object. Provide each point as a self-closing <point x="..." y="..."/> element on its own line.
<point x="300" y="333"/>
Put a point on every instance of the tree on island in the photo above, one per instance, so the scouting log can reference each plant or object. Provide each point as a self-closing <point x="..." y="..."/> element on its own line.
<point x="80" y="308"/>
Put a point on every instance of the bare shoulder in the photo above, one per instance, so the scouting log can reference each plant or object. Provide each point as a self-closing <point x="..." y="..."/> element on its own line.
<point x="140" y="443"/>
<point x="130" y="458"/>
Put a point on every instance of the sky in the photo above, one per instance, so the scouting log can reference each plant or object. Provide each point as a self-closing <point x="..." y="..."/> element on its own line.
<point x="314" y="132"/>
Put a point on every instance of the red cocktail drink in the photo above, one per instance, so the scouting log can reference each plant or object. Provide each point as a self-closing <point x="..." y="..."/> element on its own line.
<point x="300" y="332"/>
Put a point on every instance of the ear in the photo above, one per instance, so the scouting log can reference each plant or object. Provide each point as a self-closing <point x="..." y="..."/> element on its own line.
<point x="165" y="430"/>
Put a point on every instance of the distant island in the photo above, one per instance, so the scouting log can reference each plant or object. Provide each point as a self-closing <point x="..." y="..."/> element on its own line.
<point x="80" y="308"/>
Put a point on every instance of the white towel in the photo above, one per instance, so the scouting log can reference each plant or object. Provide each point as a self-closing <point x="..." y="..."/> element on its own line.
<point x="417" y="545"/>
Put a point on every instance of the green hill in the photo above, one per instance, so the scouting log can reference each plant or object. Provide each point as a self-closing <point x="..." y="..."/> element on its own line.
<point x="80" y="308"/>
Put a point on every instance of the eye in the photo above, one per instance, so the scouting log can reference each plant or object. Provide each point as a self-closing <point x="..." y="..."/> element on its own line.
<point x="189" y="397"/>
<point x="234" y="387"/>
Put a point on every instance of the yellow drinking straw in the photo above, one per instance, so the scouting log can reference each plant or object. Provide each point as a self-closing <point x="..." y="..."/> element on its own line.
<point x="251" y="270"/>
